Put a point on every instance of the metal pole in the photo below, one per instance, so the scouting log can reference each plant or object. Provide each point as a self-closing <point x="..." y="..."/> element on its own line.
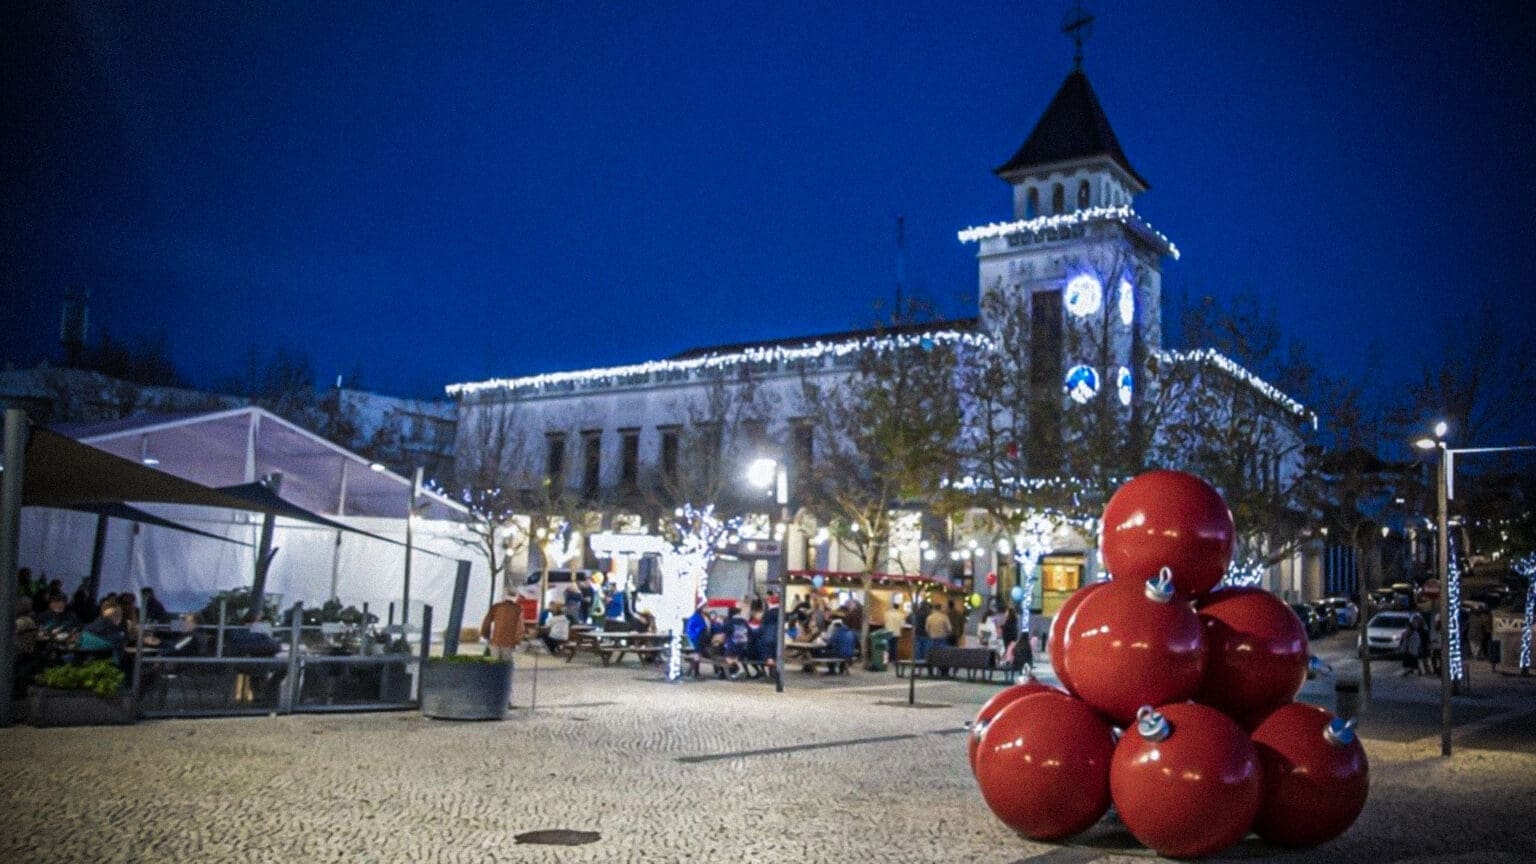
<point x="98" y="552"/>
<point x="778" y="644"/>
<point x="410" y="516"/>
<point x="456" y="609"/>
<point x="1363" y="586"/>
<point x="426" y="652"/>
<point x="16" y="433"/>
<point x="1445" y="606"/>
<point x="292" y="694"/>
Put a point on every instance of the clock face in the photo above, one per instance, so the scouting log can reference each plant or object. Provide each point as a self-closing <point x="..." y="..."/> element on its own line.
<point x="1127" y="302"/>
<point x="1082" y="384"/>
<point x="1125" y="385"/>
<point x="1084" y="295"/>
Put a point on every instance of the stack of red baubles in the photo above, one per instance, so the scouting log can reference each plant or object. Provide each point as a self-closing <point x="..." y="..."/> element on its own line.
<point x="1177" y="705"/>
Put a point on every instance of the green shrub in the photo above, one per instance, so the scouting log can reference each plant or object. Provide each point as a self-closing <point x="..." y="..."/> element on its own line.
<point x="468" y="658"/>
<point x="101" y="677"/>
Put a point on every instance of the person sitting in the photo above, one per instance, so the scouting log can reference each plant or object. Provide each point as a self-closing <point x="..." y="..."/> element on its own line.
<point x="738" y="638"/>
<point x="56" y="618"/>
<point x="154" y="610"/>
<point x="572" y="602"/>
<point x="558" y="629"/>
<point x="83" y="604"/>
<point x="190" y="640"/>
<point x="252" y="640"/>
<point x="837" y="641"/>
<point x="107" y="634"/>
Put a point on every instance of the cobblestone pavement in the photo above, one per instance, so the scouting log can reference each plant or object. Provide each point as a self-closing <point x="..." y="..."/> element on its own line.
<point x="699" y="772"/>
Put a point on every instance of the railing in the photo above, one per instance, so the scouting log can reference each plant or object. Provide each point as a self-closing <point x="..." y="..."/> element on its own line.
<point x="308" y="675"/>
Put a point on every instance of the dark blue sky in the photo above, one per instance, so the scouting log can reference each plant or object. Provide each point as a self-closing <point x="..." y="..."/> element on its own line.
<point x="440" y="193"/>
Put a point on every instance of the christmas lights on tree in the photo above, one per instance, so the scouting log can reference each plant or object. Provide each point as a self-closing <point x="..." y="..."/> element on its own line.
<point x="1527" y="567"/>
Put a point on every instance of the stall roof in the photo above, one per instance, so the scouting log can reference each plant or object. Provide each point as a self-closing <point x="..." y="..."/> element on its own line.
<point x="239" y="445"/>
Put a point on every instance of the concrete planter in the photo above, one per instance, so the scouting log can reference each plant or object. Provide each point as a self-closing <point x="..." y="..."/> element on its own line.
<point x="50" y="707"/>
<point x="466" y="691"/>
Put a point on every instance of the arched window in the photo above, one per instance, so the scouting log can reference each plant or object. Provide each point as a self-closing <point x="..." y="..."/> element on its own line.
<point x="1082" y="195"/>
<point x="1058" y="199"/>
<point x="1032" y="203"/>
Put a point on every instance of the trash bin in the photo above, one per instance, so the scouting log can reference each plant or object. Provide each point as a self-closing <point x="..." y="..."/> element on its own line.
<point x="1346" y="699"/>
<point x="879" y="647"/>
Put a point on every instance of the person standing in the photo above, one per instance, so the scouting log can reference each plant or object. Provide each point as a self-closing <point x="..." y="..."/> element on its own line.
<point x="503" y="628"/>
<point x="1413" y="644"/>
<point x="894" y="620"/>
<point x="957" y="618"/>
<point x="936" y="631"/>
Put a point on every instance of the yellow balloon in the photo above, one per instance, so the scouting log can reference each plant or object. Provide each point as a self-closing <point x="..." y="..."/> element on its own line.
<point x="597" y="578"/>
<point x="975" y="601"/>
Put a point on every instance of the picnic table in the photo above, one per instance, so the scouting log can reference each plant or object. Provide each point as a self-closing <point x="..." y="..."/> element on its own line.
<point x="804" y="653"/>
<point x="611" y="646"/>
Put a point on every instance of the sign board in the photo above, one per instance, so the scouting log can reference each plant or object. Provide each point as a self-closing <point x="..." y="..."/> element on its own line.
<point x="757" y="549"/>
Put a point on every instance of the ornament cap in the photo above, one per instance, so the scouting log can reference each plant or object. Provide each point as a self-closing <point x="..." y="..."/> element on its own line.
<point x="1340" y="732"/>
<point x="1160" y="589"/>
<point x="1152" y="726"/>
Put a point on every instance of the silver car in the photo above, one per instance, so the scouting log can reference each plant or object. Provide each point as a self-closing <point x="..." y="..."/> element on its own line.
<point x="1384" y="633"/>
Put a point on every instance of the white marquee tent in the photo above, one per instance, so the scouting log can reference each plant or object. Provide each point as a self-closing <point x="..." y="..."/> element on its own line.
<point x="313" y="562"/>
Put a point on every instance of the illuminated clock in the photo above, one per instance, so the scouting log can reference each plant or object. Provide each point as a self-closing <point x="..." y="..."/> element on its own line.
<point x="1084" y="295"/>
<point x="1082" y="384"/>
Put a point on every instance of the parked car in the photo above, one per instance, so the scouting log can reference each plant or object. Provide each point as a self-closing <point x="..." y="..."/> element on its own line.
<point x="1386" y="598"/>
<point x="1309" y="619"/>
<point x="1383" y="635"/>
<point x="1493" y="595"/>
<point x="1345" y="613"/>
<point x="1326" y="619"/>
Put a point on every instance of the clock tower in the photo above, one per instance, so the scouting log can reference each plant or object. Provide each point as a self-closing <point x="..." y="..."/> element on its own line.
<point x="1077" y="272"/>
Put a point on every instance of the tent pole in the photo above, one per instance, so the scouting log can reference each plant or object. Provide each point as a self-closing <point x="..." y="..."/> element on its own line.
<point x="264" y="552"/>
<point x="98" y="552"/>
<point x="16" y="429"/>
<point x="410" y="516"/>
<point x="336" y="567"/>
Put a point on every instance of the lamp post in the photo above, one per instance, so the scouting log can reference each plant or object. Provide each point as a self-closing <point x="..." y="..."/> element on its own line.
<point x="1444" y="491"/>
<point x="762" y="473"/>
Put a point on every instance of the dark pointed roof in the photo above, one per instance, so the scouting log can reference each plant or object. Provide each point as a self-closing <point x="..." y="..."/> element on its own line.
<point x="1072" y="127"/>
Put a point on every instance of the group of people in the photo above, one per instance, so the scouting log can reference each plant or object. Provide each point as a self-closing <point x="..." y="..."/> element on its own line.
<point x="745" y="644"/>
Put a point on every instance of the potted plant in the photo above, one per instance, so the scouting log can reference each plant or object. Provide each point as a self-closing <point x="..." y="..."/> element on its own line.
<point x="89" y="695"/>
<point x="466" y="687"/>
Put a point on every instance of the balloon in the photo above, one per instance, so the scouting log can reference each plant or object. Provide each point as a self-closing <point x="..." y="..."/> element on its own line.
<point x="1168" y="519"/>
<point x="817" y="581"/>
<point x="1017" y="593"/>
<point x="1255" y="653"/>
<point x="991" y="578"/>
<point x="974" y="600"/>
<point x="597" y="578"/>
<point x="1133" y="643"/>
<point x="1055" y="644"/>
<point x="997" y="703"/>
<point x="1315" y="776"/>
<point x="1043" y="766"/>
<point x="1186" y="780"/>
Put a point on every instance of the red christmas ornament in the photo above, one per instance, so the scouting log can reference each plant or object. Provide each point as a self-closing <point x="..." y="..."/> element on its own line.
<point x="1315" y="776"/>
<point x="1255" y="653"/>
<point x="1186" y="780"/>
<point x="1168" y="519"/>
<point x="991" y="578"/>
<point x="1043" y="766"/>
<point x="1133" y="643"/>
<point x="1056" y="641"/>
<point x="996" y="704"/>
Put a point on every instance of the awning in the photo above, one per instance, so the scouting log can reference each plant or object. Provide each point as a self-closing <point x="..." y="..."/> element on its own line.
<point x="134" y="514"/>
<point x="62" y="472"/>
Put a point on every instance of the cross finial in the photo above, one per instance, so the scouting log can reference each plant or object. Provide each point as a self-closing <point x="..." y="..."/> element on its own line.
<point x="1078" y="25"/>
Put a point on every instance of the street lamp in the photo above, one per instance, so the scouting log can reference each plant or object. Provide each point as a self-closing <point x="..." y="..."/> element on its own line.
<point x="762" y="473"/>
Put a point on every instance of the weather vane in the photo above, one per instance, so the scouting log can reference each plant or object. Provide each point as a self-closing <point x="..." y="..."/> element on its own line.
<point x="1078" y="24"/>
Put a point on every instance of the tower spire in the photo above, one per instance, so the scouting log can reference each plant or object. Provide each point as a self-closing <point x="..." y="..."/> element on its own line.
<point x="1078" y="25"/>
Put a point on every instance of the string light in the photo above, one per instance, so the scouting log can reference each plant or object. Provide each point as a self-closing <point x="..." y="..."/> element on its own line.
<point x="1527" y="567"/>
<point x="1231" y="367"/>
<point x="1450" y="651"/>
<point x="1122" y="214"/>
<point x="672" y="371"/>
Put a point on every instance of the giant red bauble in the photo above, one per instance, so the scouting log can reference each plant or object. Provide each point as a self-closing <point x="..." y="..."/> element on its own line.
<point x="1193" y="793"/>
<point x="1002" y="699"/>
<point x="1055" y="642"/>
<point x="1043" y="766"/>
<point x="1124" y="649"/>
<point x="1168" y="519"/>
<point x="1255" y="653"/>
<point x="1316" y="776"/>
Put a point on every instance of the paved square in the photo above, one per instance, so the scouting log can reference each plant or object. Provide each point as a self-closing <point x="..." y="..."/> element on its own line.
<point x="699" y="772"/>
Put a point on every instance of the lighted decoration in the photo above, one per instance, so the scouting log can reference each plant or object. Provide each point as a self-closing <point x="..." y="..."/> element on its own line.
<point x="1527" y="567"/>
<point x="1207" y="356"/>
<point x="652" y="371"/>
<point x="1169" y="519"/>
<point x="1245" y="573"/>
<point x="1122" y="214"/>
<point x="1033" y="539"/>
<point x="1127" y="302"/>
<point x="1084" y="295"/>
<point x="1453" y="620"/>
<point x="1124" y="386"/>
<point x="1082" y="384"/>
<point x="1017" y="593"/>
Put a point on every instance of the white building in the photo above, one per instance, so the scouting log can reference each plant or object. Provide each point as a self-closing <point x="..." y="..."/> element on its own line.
<point x="1076" y="261"/>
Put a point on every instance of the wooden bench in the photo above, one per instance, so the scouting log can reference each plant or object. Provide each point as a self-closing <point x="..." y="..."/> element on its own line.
<point x="975" y="662"/>
<point x="838" y="665"/>
<point x="615" y="653"/>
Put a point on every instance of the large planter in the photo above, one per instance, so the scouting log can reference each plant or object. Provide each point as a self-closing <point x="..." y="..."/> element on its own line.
<point x="51" y="707"/>
<point x="455" y="690"/>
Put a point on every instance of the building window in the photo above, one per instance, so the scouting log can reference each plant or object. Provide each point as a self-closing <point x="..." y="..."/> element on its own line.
<point x="1045" y="360"/>
<point x="592" y="458"/>
<point x="1032" y="203"/>
<point x="1082" y="195"/>
<point x="754" y="434"/>
<point x="669" y="448"/>
<point x="629" y="459"/>
<point x="1058" y="199"/>
<point x="554" y="460"/>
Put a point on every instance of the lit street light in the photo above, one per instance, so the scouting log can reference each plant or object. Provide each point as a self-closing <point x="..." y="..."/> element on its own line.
<point x="762" y="473"/>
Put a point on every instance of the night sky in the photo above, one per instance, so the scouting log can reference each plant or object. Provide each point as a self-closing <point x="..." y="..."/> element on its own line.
<point x="442" y="193"/>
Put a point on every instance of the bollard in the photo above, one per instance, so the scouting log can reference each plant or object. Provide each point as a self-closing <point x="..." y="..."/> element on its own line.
<point x="1346" y="699"/>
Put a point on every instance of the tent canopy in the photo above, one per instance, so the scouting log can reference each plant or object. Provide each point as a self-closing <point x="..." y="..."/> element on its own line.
<point x="241" y="445"/>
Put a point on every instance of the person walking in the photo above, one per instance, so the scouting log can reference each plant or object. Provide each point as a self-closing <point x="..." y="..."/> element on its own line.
<point x="1413" y="646"/>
